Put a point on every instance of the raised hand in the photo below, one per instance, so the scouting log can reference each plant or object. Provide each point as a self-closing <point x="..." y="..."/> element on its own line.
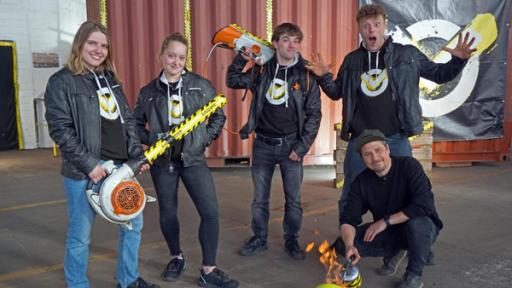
<point x="318" y="66"/>
<point x="463" y="49"/>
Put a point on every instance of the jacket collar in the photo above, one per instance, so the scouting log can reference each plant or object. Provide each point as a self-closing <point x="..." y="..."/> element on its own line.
<point x="272" y="63"/>
<point x="158" y="83"/>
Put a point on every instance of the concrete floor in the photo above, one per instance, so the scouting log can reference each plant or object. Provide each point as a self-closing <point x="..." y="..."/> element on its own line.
<point x="473" y="249"/>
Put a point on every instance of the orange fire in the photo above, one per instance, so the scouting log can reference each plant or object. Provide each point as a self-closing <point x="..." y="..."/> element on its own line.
<point x="328" y="258"/>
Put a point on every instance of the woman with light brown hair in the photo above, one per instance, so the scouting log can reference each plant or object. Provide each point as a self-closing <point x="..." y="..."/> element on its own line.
<point x="163" y="104"/>
<point x="89" y="118"/>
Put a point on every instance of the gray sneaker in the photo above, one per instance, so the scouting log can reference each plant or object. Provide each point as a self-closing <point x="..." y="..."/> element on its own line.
<point x="410" y="280"/>
<point x="391" y="263"/>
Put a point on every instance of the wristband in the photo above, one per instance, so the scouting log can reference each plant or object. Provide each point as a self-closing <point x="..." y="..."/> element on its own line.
<point x="386" y="220"/>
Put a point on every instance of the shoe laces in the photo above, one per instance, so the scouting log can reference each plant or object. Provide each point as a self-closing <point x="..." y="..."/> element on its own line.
<point x="174" y="264"/>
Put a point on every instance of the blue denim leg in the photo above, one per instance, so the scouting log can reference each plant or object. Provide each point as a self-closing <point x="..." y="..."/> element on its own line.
<point x="127" y="253"/>
<point x="80" y="219"/>
<point x="420" y="232"/>
<point x="292" y="174"/>
<point x="399" y="145"/>
<point x="263" y="166"/>
<point x="353" y="164"/>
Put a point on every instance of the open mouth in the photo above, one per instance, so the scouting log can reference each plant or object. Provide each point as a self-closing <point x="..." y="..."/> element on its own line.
<point x="372" y="40"/>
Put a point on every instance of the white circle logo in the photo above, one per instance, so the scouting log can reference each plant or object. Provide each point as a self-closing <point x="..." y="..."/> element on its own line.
<point x="482" y="27"/>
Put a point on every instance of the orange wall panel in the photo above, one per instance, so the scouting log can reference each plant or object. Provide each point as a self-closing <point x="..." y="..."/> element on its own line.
<point x="329" y="27"/>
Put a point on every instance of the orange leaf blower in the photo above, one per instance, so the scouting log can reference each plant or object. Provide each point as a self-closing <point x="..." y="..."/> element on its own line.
<point x="237" y="38"/>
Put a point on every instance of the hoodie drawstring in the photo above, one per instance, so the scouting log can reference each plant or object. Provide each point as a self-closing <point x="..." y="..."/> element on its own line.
<point x="370" y="62"/>
<point x="109" y="90"/>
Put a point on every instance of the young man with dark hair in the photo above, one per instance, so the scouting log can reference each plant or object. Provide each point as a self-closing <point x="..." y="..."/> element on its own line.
<point x="285" y="115"/>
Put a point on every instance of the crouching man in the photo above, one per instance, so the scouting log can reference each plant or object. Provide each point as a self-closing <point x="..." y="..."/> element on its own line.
<point x="399" y="195"/>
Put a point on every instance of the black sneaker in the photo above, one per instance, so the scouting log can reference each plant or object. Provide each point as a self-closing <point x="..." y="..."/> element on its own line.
<point x="410" y="280"/>
<point x="140" y="283"/>
<point x="216" y="279"/>
<point x="291" y="246"/>
<point x="391" y="263"/>
<point x="174" y="269"/>
<point x="253" y="245"/>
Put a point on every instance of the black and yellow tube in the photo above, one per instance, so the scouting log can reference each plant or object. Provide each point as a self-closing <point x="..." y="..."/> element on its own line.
<point x="176" y="134"/>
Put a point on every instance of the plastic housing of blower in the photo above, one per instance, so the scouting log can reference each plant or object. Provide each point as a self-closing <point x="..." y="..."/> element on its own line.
<point x="237" y="38"/>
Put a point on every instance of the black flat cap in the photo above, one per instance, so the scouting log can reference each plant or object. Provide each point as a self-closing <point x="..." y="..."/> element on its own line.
<point x="368" y="135"/>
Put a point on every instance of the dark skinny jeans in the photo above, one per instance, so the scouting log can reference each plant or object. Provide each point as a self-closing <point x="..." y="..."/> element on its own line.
<point x="416" y="236"/>
<point x="199" y="183"/>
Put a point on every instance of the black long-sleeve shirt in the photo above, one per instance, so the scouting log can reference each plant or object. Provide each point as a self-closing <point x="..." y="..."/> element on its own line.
<point x="405" y="188"/>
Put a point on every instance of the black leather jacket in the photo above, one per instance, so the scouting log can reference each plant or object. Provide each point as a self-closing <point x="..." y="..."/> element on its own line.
<point x="74" y="121"/>
<point x="152" y="109"/>
<point x="405" y="65"/>
<point x="307" y="99"/>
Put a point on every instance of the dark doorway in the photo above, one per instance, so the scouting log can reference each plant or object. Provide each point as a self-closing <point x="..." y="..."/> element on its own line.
<point x="8" y="97"/>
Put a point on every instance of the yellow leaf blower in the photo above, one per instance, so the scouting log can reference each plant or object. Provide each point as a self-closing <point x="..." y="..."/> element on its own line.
<point x="120" y="197"/>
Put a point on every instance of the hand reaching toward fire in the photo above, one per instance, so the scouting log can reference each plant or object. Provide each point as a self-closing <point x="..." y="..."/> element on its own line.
<point x="352" y="253"/>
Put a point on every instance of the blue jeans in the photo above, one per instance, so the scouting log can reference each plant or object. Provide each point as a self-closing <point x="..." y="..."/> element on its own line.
<point x="199" y="183"/>
<point x="265" y="157"/>
<point x="353" y="164"/>
<point x="416" y="236"/>
<point x="80" y="220"/>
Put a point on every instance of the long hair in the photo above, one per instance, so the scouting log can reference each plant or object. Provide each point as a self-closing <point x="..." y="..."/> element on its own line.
<point x="75" y="61"/>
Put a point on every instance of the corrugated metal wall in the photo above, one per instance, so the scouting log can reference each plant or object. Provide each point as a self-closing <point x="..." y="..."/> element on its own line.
<point x="329" y="27"/>
<point x="207" y="18"/>
<point x="138" y="27"/>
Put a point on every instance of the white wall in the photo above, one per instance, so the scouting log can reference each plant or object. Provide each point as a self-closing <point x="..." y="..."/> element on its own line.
<point x="38" y="27"/>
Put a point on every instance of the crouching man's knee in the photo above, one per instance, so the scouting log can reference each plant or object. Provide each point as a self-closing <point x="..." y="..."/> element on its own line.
<point x="422" y="227"/>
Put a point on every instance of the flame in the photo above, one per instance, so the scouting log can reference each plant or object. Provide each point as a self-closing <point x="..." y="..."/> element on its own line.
<point x="310" y="247"/>
<point x="329" y="258"/>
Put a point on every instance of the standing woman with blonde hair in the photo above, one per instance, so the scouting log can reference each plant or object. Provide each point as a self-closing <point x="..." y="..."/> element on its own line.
<point x="163" y="104"/>
<point x="89" y="118"/>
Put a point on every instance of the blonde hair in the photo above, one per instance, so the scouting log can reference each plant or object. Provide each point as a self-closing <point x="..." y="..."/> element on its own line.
<point x="75" y="61"/>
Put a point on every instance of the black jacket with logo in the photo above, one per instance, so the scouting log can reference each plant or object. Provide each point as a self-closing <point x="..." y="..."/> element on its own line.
<point x="152" y="108"/>
<point x="307" y="99"/>
<point x="74" y="121"/>
<point x="405" y="65"/>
